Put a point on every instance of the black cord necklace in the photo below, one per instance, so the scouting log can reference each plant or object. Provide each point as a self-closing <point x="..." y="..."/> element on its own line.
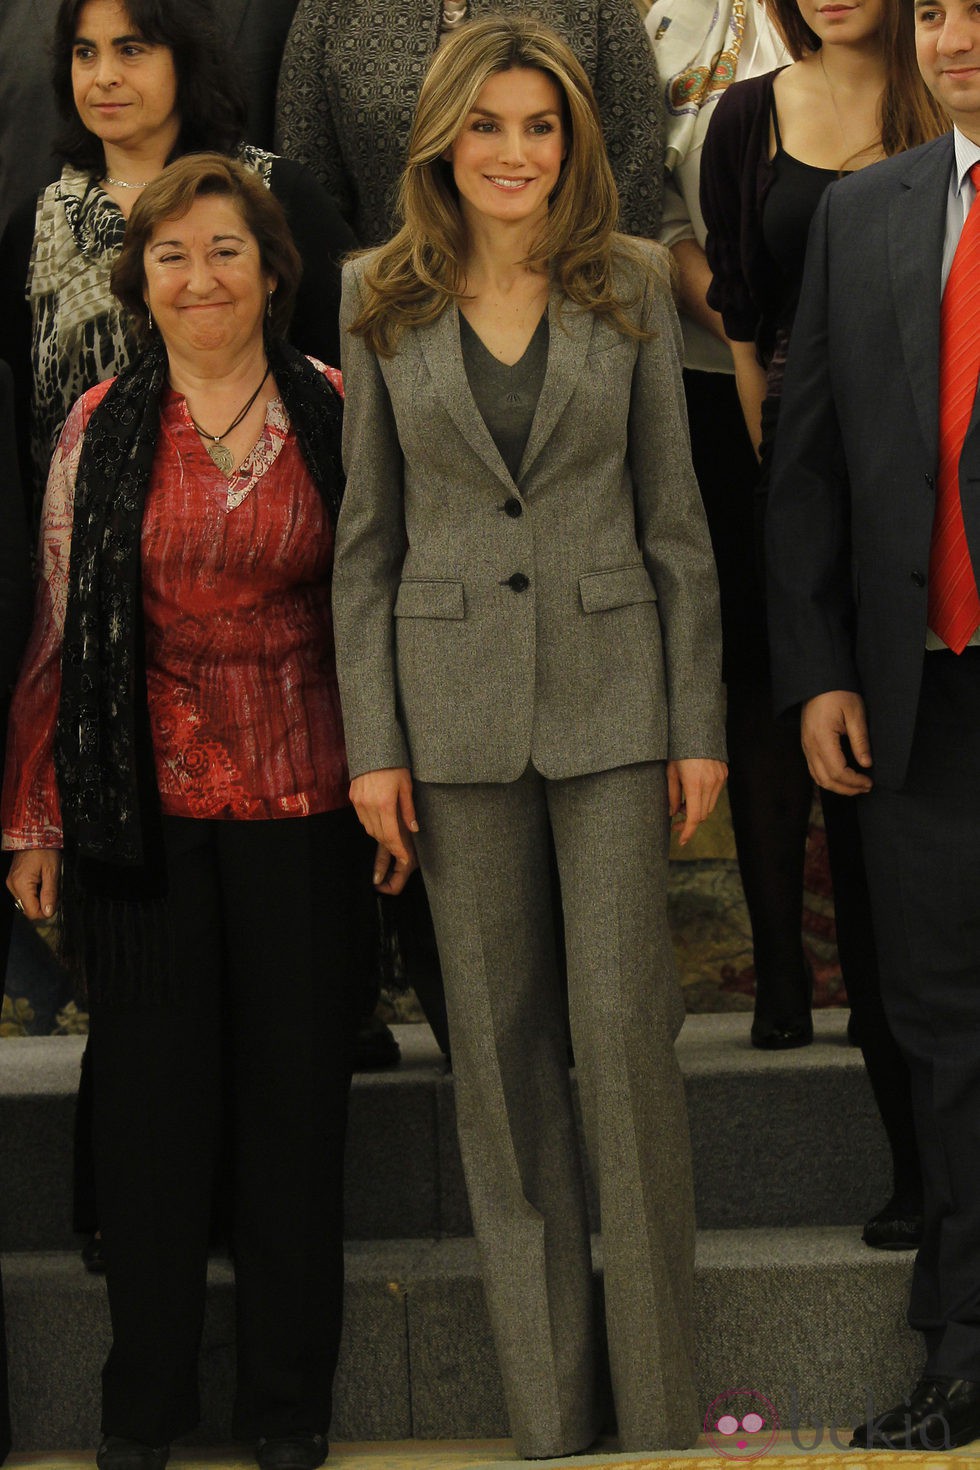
<point x="220" y="453"/>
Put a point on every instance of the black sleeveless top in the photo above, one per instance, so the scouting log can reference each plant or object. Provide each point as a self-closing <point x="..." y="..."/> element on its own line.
<point x="787" y="213"/>
<point x="789" y="207"/>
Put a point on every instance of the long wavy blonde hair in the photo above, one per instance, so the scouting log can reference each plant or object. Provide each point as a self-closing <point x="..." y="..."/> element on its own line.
<point x="414" y="277"/>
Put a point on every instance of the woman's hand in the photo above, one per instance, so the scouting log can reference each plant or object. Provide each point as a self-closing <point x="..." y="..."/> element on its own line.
<point x="693" y="788"/>
<point x="383" y="802"/>
<point x="34" y="880"/>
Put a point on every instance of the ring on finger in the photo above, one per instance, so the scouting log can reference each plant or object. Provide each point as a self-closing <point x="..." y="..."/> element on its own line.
<point x="18" y="905"/>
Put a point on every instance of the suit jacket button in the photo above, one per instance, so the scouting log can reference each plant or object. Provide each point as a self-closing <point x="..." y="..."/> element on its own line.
<point x="518" y="582"/>
<point x="513" y="507"/>
<point x="918" y="579"/>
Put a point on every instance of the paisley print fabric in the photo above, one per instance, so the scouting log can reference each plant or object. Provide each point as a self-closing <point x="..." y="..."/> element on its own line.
<point x="688" y="91"/>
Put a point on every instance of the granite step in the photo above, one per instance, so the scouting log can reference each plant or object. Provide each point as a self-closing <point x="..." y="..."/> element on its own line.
<point x="780" y="1139"/>
<point x="807" y="1318"/>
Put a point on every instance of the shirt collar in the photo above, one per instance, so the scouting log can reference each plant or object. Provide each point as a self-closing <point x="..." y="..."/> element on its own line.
<point x="967" y="153"/>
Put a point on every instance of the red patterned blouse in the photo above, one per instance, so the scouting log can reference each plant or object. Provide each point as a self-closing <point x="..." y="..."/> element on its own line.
<point x="241" y="682"/>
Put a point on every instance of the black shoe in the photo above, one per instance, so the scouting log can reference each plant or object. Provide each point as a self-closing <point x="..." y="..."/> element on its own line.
<point x="292" y="1452"/>
<point x="93" y="1255"/>
<point x="771" y="1036"/>
<point x="942" y="1414"/>
<point x="375" y="1046"/>
<point x="898" y="1227"/>
<point x="128" y="1454"/>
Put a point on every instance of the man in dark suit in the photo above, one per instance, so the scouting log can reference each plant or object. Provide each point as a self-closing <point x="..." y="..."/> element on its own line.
<point x="28" y="116"/>
<point x="258" y="31"/>
<point x="873" y="537"/>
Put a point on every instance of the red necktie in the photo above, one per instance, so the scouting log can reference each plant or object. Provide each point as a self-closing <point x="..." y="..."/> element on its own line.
<point x="954" y="606"/>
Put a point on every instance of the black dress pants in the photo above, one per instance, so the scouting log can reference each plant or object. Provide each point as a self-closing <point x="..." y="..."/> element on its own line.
<point x="922" y="847"/>
<point x="265" y="931"/>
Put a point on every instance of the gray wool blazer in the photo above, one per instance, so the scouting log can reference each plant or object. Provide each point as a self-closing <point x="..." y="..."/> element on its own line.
<point x="568" y="618"/>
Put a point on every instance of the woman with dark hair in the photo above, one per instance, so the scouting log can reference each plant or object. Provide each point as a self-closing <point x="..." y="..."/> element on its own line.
<point x="138" y="85"/>
<point x="176" y="731"/>
<point x="528" y="649"/>
<point x="852" y="95"/>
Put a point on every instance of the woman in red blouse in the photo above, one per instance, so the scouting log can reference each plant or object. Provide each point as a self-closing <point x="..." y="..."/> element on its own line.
<point x="177" y="730"/>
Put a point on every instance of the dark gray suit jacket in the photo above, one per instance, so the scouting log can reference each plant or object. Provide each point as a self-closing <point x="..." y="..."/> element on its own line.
<point x="28" y="116"/>
<point x="570" y="617"/>
<point x="257" y="30"/>
<point x="852" y="502"/>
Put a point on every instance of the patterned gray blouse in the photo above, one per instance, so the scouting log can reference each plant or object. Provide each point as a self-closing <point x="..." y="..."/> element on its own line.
<point x="351" y="76"/>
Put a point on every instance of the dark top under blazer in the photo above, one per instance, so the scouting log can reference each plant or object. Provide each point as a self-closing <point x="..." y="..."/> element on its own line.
<point x="581" y="634"/>
<point x="853" y="499"/>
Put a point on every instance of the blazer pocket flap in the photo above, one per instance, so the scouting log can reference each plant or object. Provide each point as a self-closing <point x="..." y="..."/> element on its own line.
<point x="429" y="599"/>
<point x="617" y="588"/>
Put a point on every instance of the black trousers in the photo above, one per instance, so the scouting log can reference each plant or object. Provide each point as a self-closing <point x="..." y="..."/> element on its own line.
<point x="769" y="786"/>
<point x="922" y="846"/>
<point x="263" y="916"/>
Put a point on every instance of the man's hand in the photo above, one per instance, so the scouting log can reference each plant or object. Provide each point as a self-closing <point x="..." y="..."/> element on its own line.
<point x="693" y="787"/>
<point x="383" y="802"/>
<point x="34" y="880"/>
<point x="827" y="722"/>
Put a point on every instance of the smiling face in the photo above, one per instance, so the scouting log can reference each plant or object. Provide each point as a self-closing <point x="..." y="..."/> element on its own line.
<point x="205" y="283"/>
<point x="844" y="22"/>
<point x="947" y="46"/>
<point x="125" y="88"/>
<point x="507" y="159"/>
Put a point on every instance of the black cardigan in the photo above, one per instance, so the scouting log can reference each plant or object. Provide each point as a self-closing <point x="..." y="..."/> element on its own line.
<point x="747" y="285"/>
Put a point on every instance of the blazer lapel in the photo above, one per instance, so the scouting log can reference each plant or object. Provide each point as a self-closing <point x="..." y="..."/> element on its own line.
<point x="444" y="359"/>
<point x="570" y="332"/>
<point x="916" y="231"/>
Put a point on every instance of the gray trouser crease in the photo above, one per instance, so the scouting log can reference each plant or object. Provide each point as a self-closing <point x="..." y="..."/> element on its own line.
<point x="484" y="854"/>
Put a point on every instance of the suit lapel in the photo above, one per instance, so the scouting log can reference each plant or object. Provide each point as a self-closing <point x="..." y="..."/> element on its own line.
<point x="916" y="231"/>
<point x="444" y="359"/>
<point x="570" y="332"/>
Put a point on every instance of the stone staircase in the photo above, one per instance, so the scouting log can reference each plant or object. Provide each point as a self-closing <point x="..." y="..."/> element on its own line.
<point x="789" y="1159"/>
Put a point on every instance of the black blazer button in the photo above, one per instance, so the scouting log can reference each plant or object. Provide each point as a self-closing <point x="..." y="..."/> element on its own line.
<point x="518" y="582"/>
<point x="513" y="507"/>
<point x="919" y="579"/>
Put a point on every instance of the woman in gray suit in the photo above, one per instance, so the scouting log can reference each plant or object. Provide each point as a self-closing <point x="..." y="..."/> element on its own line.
<point x="527" y="638"/>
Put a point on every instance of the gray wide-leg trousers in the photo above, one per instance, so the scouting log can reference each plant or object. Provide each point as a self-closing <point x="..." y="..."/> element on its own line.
<point x="484" y="855"/>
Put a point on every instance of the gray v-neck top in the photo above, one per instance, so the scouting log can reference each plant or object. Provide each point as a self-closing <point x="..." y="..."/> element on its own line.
<point x="506" y="395"/>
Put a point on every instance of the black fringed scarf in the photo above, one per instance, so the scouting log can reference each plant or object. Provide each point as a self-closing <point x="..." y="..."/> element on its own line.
<point x="116" y="882"/>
